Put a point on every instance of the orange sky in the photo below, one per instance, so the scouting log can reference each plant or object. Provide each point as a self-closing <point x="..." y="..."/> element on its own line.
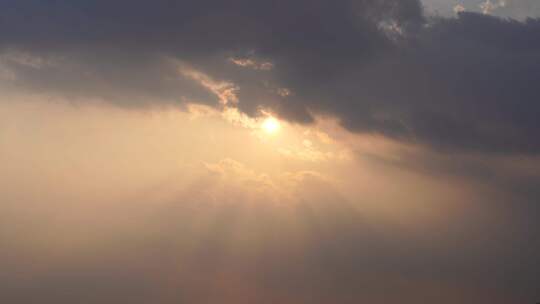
<point x="82" y="183"/>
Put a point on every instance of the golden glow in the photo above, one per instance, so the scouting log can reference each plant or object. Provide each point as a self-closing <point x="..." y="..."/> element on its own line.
<point x="271" y="125"/>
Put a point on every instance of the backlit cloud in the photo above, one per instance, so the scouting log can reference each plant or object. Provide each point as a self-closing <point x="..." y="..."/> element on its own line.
<point x="377" y="65"/>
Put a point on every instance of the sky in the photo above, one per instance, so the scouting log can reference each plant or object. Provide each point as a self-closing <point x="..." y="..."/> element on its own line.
<point x="321" y="152"/>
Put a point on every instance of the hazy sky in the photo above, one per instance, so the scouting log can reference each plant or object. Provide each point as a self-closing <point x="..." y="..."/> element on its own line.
<point x="300" y="151"/>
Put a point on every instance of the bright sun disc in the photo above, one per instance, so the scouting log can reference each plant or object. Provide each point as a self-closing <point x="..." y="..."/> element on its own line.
<point x="271" y="125"/>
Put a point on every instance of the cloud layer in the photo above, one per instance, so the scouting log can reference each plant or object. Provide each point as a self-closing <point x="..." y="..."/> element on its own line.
<point x="380" y="66"/>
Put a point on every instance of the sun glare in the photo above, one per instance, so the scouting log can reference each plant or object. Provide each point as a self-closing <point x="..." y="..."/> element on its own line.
<point x="271" y="125"/>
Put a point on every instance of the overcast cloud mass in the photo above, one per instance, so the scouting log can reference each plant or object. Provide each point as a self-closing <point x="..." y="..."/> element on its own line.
<point x="378" y="66"/>
<point x="452" y="84"/>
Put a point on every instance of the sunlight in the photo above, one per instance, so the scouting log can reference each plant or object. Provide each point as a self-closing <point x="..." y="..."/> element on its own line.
<point x="271" y="125"/>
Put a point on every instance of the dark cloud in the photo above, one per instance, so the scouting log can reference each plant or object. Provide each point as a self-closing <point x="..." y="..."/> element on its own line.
<point x="516" y="9"/>
<point x="520" y="9"/>
<point x="462" y="83"/>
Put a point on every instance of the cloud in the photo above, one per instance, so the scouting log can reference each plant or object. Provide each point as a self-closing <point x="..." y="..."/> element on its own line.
<point x="250" y="63"/>
<point x="458" y="8"/>
<point x="488" y="6"/>
<point x="378" y="66"/>
<point x="515" y="9"/>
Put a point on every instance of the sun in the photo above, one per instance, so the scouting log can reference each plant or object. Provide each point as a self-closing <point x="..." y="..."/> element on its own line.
<point x="271" y="125"/>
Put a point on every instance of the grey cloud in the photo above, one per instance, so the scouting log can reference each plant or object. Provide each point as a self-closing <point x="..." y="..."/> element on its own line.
<point x="459" y="84"/>
<point x="516" y="9"/>
<point x="379" y="66"/>
<point x="520" y="9"/>
<point x="130" y="79"/>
